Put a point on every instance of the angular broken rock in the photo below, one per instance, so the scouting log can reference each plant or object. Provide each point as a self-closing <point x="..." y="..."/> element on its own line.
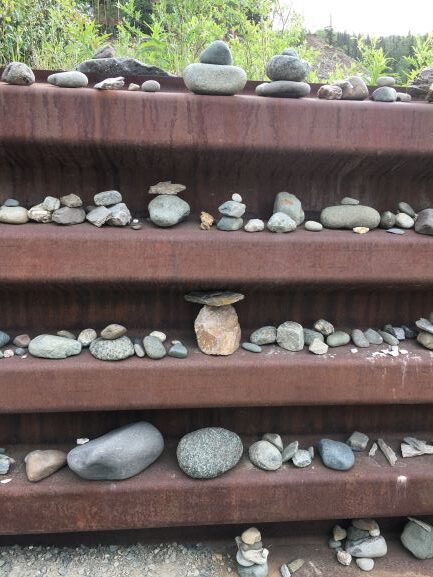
<point x="39" y="214"/>
<point x="166" y="187"/>
<point x="215" y="298"/>
<point x="389" y="454"/>
<point x="42" y="464"/>
<point x="217" y="329"/>
<point x="111" y="83"/>
<point x="290" y="336"/>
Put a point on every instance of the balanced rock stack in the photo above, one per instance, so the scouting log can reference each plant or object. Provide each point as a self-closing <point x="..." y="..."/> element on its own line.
<point x="167" y="209"/>
<point x="232" y="212"/>
<point x="352" y="88"/>
<point x="385" y="91"/>
<point x="287" y="73"/>
<point x="217" y="326"/>
<point x="113" y="344"/>
<point x="215" y="74"/>
<point x="287" y="214"/>
<point x="252" y="557"/>
<point x="362" y="541"/>
<point x="12" y="213"/>
<point x="350" y="215"/>
<point x="109" y="209"/>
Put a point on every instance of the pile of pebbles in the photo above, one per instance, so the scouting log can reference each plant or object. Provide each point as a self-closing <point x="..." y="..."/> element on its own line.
<point x="361" y="541"/>
<point x="287" y="73"/>
<point x="231" y="212"/>
<point x="386" y="91"/>
<point x="20" y="342"/>
<point x="167" y="209"/>
<point x="406" y="218"/>
<point x="251" y="557"/>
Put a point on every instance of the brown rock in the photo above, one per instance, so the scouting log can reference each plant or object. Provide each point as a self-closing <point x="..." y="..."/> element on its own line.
<point x="22" y="341"/>
<point x="215" y="298"/>
<point x="251" y="536"/>
<point x="167" y="187"/>
<point x="206" y="220"/>
<point x="42" y="464"/>
<point x="217" y="329"/>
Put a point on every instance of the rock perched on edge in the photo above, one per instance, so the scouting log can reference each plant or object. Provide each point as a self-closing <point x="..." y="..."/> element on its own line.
<point x="118" y="455"/>
<point x="265" y="455"/>
<point x="13" y="215"/>
<point x="283" y="89"/>
<point x="42" y="464"/>
<point x="208" y="453"/>
<point x="217" y="52"/>
<point x="418" y="540"/>
<point x="54" y="347"/>
<point x="154" y="347"/>
<point x="111" y="67"/>
<point x="112" y="350"/>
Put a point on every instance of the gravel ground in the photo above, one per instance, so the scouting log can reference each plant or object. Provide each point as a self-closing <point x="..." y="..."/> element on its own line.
<point x="141" y="560"/>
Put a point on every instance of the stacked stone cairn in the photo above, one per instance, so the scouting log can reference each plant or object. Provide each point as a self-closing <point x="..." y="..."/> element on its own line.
<point x="362" y="541"/>
<point x="217" y="326"/>
<point x="167" y="209"/>
<point x="108" y="209"/>
<point x="349" y="214"/>
<point x="252" y="557"/>
<point x="232" y="212"/>
<point x="215" y="74"/>
<point x="287" y="74"/>
<point x="287" y="214"/>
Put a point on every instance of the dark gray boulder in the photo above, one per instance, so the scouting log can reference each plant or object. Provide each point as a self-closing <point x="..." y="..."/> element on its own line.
<point x="420" y="85"/>
<point x="113" y="67"/>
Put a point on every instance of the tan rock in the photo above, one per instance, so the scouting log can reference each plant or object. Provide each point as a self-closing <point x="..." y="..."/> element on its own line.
<point x="217" y="330"/>
<point x="361" y="229"/>
<point x="42" y="464"/>
<point x="425" y="339"/>
<point x="166" y="187"/>
<point x="39" y="214"/>
<point x="113" y="331"/>
<point x="251" y="536"/>
<point x="295" y="565"/>
<point x="206" y="220"/>
<point x="71" y="200"/>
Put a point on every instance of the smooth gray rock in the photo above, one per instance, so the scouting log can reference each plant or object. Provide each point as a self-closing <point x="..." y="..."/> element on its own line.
<point x="111" y="67"/>
<point x="333" y="544"/>
<point x="13" y="215"/>
<point x="359" y="339"/>
<point x="4" y="339"/>
<point x="365" y="564"/>
<point x="251" y="347"/>
<point x="310" y="336"/>
<point x="283" y="89"/>
<point x="253" y="571"/>
<point x="113" y="349"/>
<point x="151" y="86"/>
<point x="281" y="222"/>
<point x="289" y="451"/>
<point x="348" y="216"/>
<point x="113" y="331"/>
<point x="424" y="222"/>
<point x="291" y="205"/>
<point x="348" y="200"/>
<point x="384" y="94"/>
<point x="216" y="53"/>
<point x="54" y="347"/>
<point x="403" y="220"/>
<point x="301" y="459"/>
<point x="264" y="335"/>
<point x="274" y="439"/>
<point x="118" y="455"/>
<point x="385" y="81"/>
<point x="139" y="350"/>
<point x="229" y="223"/>
<point x="403" y="97"/>
<point x="214" y="79"/>
<point x="357" y="441"/>
<point x="232" y="208"/>
<point x="371" y="547"/>
<point x="420" y="85"/>
<point x="373" y="337"/>
<point x="68" y="216"/>
<point x="18" y="73"/>
<point x="166" y="210"/>
<point x="387" y="338"/>
<point x="107" y="198"/>
<point x="426" y="340"/>
<point x="424" y="325"/>
<point x="5" y="463"/>
<point x="178" y="351"/>
<point x="72" y="79"/>
<point x="265" y="455"/>
<point x="406" y="208"/>
<point x="154" y="347"/>
<point x="120" y="215"/>
<point x="336" y="455"/>
<point x="396" y="230"/>
<point x="354" y="88"/>
<point x="318" y="347"/>
<point x="208" y="453"/>
<point x="338" y="339"/>
<point x="290" y="336"/>
<point x="313" y="226"/>
<point x="86" y="336"/>
<point x="285" y="67"/>
<point x="387" y="219"/>
<point x="417" y="540"/>
<point x="11" y="202"/>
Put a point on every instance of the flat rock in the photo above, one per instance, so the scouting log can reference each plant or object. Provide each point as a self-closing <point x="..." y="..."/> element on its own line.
<point x="281" y="222"/>
<point x="11" y="202"/>
<point x="371" y="547"/>
<point x="338" y="339"/>
<point x="113" y="331"/>
<point x="232" y="208"/>
<point x="264" y="336"/>
<point x="151" y="86"/>
<point x="310" y="336"/>
<point x="324" y="327"/>
<point x="68" y="216"/>
<point x="265" y="456"/>
<point x="217" y="52"/>
<point x="229" y="223"/>
<point x="72" y="79"/>
<point x="214" y="79"/>
<point x="167" y="187"/>
<point x="98" y="216"/>
<point x="208" y="453"/>
<point x="217" y="330"/>
<point x="215" y="298"/>
<point x="417" y="540"/>
<point x="168" y="210"/>
<point x="251" y="347"/>
<point x="424" y="222"/>
<point x="13" y="215"/>
<point x="301" y="459"/>
<point x="357" y="442"/>
<point x="118" y="455"/>
<point x="290" y="336"/>
<point x="373" y="337"/>
<point x="359" y="339"/>
<point x="384" y="94"/>
<point x="120" y="215"/>
<point x="254" y="225"/>
<point x="289" y="204"/>
<point x="54" y="347"/>
<point x="119" y="67"/>
<point x="348" y="200"/>
<point x="178" y="351"/>
<point x="330" y="92"/>
<point x="349" y="217"/>
<point x="42" y="464"/>
<point x="18" y="73"/>
<point x="154" y="348"/>
<point x="107" y="198"/>
<point x="387" y="219"/>
<point x="283" y="89"/>
<point x="336" y="455"/>
<point x="71" y="200"/>
<point x="111" y="83"/>
<point x="112" y="350"/>
<point x="285" y="67"/>
<point x="354" y="88"/>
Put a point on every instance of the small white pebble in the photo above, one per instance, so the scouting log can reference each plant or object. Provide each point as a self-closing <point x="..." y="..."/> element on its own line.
<point x="8" y="353"/>
<point x="4" y="481"/>
<point x="175" y="342"/>
<point x="344" y="557"/>
<point x="82" y="441"/>
<point x="353" y="350"/>
<point x="236" y="197"/>
<point x="159" y="335"/>
<point x="403" y="351"/>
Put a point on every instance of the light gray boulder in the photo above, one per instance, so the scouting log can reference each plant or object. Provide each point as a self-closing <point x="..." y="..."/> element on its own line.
<point x="54" y="347"/>
<point x="214" y="79"/>
<point x="349" y="216"/>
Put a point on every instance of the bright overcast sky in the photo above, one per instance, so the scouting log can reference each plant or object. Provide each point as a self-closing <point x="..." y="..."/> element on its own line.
<point x="374" y="17"/>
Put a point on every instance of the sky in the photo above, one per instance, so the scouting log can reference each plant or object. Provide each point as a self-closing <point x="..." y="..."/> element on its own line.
<point x="373" y="17"/>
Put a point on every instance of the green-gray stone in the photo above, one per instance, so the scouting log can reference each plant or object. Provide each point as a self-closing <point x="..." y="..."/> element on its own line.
<point x="349" y="216"/>
<point x="387" y="220"/>
<point x="154" y="347"/>
<point x="417" y="540"/>
<point x="373" y="337"/>
<point x="310" y="335"/>
<point x="291" y="205"/>
<point x="178" y="351"/>
<point x="54" y="347"/>
<point x="229" y="223"/>
<point x="217" y="52"/>
<point x="251" y="347"/>
<point x="264" y="336"/>
<point x="338" y="339"/>
<point x="214" y="79"/>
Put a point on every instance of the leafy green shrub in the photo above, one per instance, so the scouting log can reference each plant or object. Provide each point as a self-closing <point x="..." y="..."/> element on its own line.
<point x="421" y="57"/>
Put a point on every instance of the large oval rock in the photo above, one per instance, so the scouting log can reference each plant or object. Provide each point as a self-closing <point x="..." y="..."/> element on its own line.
<point x="18" y="73"/>
<point x="217" y="330"/>
<point x="168" y="210"/>
<point x="71" y="79"/>
<point x="214" y="79"/>
<point x="54" y="347"/>
<point x="265" y="455"/>
<point x="418" y="540"/>
<point x="283" y="89"/>
<point x="291" y="205"/>
<point x="208" y="453"/>
<point x="336" y="455"/>
<point x="285" y="67"/>
<point x="112" y="350"/>
<point x="13" y="215"/>
<point x="349" y="216"/>
<point x="118" y="455"/>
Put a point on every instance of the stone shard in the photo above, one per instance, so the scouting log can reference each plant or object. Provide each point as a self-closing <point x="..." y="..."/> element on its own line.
<point x="217" y="330"/>
<point x="214" y="298"/>
<point x="391" y="457"/>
